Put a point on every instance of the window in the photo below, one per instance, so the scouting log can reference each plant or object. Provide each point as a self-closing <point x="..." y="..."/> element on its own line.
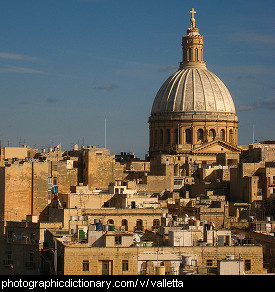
<point x="161" y="137"/>
<point x="8" y="259"/>
<point x="30" y="262"/>
<point x="247" y="265"/>
<point x="125" y="266"/>
<point x="212" y="134"/>
<point x="139" y="225"/>
<point x="188" y="136"/>
<point x="85" y="266"/>
<point x="118" y="240"/>
<point x="176" y="136"/>
<point x="200" y="135"/>
<point x="54" y="181"/>
<point x="32" y="237"/>
<point x="124" y="224"/>
<point x="209" y="263"/>
<point x="107" y="267"/>
<point x="222" y="135"/>
<point x="156" y="224"/>
<point x="231" y="136"/>
<point x="168" y="136"/>
<point x="196" y="54"/>
<point x="190" y="54"/>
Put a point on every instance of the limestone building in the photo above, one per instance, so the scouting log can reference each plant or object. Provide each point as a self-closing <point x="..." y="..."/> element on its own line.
<point x="193" y="111"/>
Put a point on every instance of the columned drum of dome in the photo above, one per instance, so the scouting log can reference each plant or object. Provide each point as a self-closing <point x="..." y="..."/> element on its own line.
<point x="193" y="106"/>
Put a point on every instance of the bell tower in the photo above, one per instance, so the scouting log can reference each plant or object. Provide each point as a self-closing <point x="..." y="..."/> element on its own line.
<point x="192" y="46"/>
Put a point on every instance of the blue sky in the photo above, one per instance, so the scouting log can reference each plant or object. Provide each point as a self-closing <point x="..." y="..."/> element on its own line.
<point x="67" y="65"/>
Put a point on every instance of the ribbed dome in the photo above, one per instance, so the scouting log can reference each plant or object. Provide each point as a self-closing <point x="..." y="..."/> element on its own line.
<point x="193" y="90"/>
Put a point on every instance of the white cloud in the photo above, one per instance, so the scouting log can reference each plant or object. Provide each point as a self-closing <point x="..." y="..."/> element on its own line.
<point x="168" y="68"/>
<point x="22" y="70"/>
<point x="11" y="56"/>
<point x="108" y="86"/>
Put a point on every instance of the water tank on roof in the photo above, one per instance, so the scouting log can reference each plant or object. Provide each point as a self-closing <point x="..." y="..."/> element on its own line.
<point x="98" y="226"/>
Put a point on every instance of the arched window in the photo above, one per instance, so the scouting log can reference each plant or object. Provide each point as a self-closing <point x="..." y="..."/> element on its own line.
<point x="230" y="136"/>
<point x="212" y="133"/>
<point x="196" y="54"/>
<point x="199" y="135"/>
<point x="190" y="54"/>
<point x="124" y="225"/>
<point x="110" y="221"/>
<point x="139" y="225"/>
<point x="222" y="135"/>
<point x="188" y="137"/>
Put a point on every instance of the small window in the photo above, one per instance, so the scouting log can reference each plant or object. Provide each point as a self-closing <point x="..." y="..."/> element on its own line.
<point x="247" y="265"/>
<point x="196" y="54"/>
<point x="188" y="136"/>
<point x="209" y="263"/>
<point x="231" y="136"/>
<point x="200" y="135"/>
<point x="222" y="135"/>
<point x="118" y="240"/>
<point x="212" y="134"/>
<point x="85" y="266"/>
<point x="156" y="224"/>
<point x="125" y="266"/>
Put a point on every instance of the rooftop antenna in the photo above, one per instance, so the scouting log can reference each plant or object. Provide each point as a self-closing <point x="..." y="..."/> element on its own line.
<point x="105" y="133"/>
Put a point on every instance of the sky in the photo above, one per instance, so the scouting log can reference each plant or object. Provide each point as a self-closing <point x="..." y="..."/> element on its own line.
<point x="66" y="66"/>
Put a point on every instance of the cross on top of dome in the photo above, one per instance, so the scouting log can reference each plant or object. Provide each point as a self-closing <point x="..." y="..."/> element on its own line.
<point x="192" y="20"/>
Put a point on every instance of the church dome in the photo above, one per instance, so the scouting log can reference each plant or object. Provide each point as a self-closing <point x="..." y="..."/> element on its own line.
<point x="193" y="106"/>
<point x="193" y="90"/>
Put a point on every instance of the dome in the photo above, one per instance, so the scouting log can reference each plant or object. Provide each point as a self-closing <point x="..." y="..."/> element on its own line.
<point x="193" y="107"/>
<point x="193" y="90"/>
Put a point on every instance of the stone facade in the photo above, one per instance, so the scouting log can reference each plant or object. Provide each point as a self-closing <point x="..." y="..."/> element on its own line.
<point x="113" y="261"/>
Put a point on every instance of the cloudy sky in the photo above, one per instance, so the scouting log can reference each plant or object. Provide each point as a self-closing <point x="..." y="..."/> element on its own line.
<point x="66" y="66"/>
